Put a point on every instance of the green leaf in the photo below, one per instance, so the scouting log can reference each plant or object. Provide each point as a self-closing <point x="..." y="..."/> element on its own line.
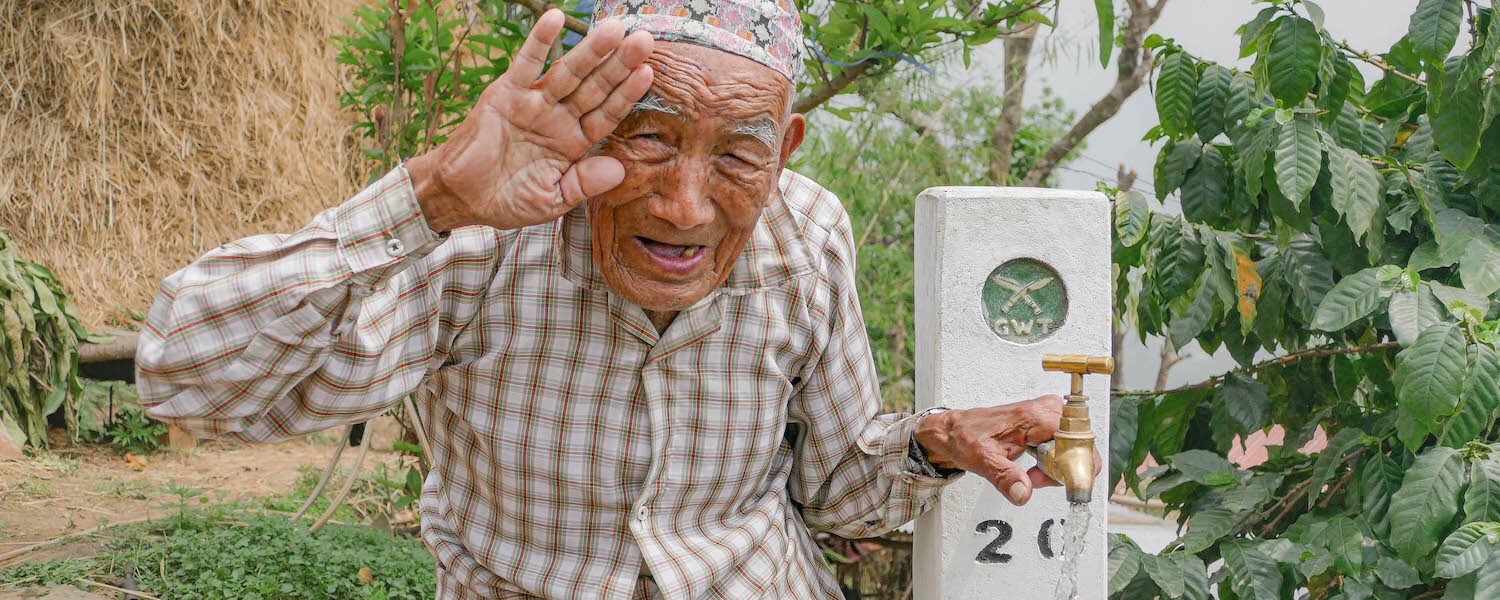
<point x="1124" y="562"/>
<point x="1177" y="262"/>
<point x="1480" y="267"/>
<point x="1465" y="550"/>
<point x="1132" y="217"/>
<point x="1251" y="31"/>
<point x="1346" y="543"/>
<point x="1123" y="413"/>
<point x="1455" y="232"/>
<point x="1200" y="465"/>
<point x="1330" y="459"/>
<point x="1356" y="189"/>
<point x="1448" y="295"/>
<point x="1211" y="104"/>
<point x="1173" y="164"/>
<point x="1200" y="312"/>
<point x="1430" y="376"/>
<point x="1299" y="159"/>
<point x="1166" y="573"/>
<point x="1477" y="405"/>
<point x="1482" y="498"/>
<point x="1461" y="589"/>
<point x="1457" y="114"/>
<point x="1206" y="188"/>
<point x="1106" y="11"/>
<point x="1395" y="573"/>
<point x="1174" y="93"/>
<point x="879" y="21"/>
<point x="1292" y="66"/>
<point x="1411" y="312"/>
<point x="1309" y="275"/>
<point x="1378" y="481"/>
<point x="1244" y="402"/>
<point x="1434" y="28"/>
<point x="1426" y="256"/>
<point x="1207" y="526"/>
<point x="1351" y="299"/>
<point x="1253" y="575"/>
<point x="1426" y="502"/>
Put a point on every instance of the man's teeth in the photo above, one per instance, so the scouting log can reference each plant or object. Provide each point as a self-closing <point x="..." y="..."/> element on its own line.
<point x="688" y="251"/>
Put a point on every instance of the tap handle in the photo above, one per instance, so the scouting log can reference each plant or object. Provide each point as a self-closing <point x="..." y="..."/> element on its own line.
<point x="1078" y="365"/>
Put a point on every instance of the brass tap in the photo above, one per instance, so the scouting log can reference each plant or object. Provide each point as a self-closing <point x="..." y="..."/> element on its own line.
<point x="1069" y="456"/>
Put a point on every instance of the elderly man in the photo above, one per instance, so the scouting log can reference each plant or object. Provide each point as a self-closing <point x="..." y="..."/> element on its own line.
<point x="633" y="334"/>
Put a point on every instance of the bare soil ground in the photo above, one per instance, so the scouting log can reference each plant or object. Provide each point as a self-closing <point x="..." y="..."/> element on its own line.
<point x="76" y="488"/>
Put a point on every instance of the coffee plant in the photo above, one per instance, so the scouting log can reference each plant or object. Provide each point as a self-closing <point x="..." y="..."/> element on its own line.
<point x="1346" y="232"/>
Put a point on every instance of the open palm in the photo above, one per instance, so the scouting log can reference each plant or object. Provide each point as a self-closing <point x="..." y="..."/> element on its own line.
<point x="518" y="157"/>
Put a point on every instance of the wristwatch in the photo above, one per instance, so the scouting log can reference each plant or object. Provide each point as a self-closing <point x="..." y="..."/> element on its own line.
<point x="918" y="457"/>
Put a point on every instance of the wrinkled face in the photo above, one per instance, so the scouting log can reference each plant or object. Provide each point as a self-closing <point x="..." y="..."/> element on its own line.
<point x="702" y="153"/>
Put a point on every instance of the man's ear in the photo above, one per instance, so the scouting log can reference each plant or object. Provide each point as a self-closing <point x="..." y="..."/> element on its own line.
<point x="796" y="128"/>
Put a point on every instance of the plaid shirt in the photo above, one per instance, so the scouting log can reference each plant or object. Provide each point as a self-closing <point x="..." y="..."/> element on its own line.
<point x="574" y="448"/>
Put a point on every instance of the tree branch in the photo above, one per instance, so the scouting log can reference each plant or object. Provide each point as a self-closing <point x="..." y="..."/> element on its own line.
<point x="1133" y="64"/>
<point x="537" y="7"/>
<point x="1380" y="64"/>
<point x="831" y="88"/>
<point x="1261" y="366"/>
<point x="1003" y="137"/>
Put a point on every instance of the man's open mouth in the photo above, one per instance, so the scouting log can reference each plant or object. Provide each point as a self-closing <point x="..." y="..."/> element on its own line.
<point x="675" y="259"/>
<point x="666" y="250"/>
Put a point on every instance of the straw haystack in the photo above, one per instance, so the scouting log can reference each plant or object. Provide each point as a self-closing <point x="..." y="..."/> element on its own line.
<point x="137" y="134"/>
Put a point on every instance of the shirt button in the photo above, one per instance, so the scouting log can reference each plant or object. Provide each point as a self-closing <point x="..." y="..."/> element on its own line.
<point x="642" y="513"/>
<point x="394" y="247"/>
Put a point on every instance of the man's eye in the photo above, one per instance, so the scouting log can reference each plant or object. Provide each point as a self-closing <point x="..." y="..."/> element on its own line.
<point x="646" y="136"/>
<point x="738" y="160"/>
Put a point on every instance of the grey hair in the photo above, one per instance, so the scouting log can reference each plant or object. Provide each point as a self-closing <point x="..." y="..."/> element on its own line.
<point x="763" y="130"/>
<point x="652" y="102"/>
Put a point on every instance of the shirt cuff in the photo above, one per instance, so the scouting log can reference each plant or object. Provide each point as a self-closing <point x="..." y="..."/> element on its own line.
<point x="382" y="227"/>
<point x="917" y="457"/>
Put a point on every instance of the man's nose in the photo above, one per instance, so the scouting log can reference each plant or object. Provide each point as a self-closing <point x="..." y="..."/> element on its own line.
<point x="683" y="199"/>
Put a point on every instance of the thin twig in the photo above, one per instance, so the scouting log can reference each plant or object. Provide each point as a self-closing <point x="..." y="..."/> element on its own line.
<point x="117" y="589"/>
<point x="538" y="7"/>
<point x="1380" y="64"/>
<point x="359" y="460"/>
<point x="64" y="538"/>
<point x="1279" y="361"/>
<point x="327" y="474"/>
<point x="416" y="420"/>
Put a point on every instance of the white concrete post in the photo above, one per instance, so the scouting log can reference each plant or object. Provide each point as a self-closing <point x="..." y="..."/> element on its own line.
<point x="982" y="347"/>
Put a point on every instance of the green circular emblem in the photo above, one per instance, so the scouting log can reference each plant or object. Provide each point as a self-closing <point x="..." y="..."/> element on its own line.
<point x="1024" y="300"/>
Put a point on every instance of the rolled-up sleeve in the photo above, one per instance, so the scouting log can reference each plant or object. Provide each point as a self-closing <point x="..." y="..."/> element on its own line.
<point x="277" y="335"/>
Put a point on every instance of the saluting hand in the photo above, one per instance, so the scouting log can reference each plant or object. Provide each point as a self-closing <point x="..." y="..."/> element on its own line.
<point x="517" y="159"/>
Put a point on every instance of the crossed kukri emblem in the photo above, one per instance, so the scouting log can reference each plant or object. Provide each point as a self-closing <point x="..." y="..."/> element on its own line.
<point x="1020" y="292"/>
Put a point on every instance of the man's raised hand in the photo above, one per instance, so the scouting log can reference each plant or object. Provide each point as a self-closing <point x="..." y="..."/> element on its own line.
<point x="518" y="157"/>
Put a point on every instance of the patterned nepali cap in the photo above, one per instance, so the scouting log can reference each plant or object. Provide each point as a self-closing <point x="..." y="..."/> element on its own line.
<point x="765" y="31"/>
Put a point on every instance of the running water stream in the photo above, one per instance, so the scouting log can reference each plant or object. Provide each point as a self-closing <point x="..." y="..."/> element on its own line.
<point x="1074" y="539"/>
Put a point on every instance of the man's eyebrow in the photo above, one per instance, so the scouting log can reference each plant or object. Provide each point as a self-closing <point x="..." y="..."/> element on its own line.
<point x="763" y="129"/>
<point x="653" y="103"/>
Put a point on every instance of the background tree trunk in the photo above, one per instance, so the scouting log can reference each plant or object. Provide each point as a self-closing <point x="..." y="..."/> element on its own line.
<point x="1132" y="65"/>
<point x="1003" y="138"/>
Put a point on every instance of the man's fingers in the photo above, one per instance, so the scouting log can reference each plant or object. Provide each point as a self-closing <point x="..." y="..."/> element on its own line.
<point x="569" y="71"/>
<point x="599" y="122"/>
<point x="1011" y="480"/>
<point x="527" y="64"/>
<point x="590" y="177"/>
<point x="1039" y="479"/>
<point x="597" y="86"/>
